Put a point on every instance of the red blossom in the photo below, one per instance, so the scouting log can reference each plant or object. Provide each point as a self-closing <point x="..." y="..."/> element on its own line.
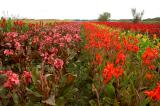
<point x="149" y="76"/>
<point x="120" y="58"/>
<point x="99" y="58"/>
<point x="58" y="63"/>
<point x="109" y="71"/>
<point x="27" y="75"/>
<point x="8" y="52"/>
<point x="17" y="45"/>
<point x="68" y="38"/>
<point x="155" y="93"/>
<point x="12" y="79"/>
<point x="149" y="56"/>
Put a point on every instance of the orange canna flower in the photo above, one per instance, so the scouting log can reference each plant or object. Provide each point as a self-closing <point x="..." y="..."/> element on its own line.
<point x="154" y="36"/>
<point x="149" y="76"/>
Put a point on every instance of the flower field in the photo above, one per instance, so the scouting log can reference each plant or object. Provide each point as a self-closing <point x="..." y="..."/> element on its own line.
<point x="79" y="64"/>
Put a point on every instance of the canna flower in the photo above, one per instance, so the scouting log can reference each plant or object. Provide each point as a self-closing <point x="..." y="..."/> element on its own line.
<point x="155" y="93"/>
<point x="149" y="76"/>
<point x="35" y="39"/>
<point x="68" y="38"/>
<point x="8" y="52"/>
<point x="149" y="56"/>
<point x="99" y="58"/>
<point x="54" y="50"/>
<point x="11" y="80"/>
<point x="17" y="45"/>
<point x="109" y="71"/>
<point x="152" y="67"/>
<point x="58" y="63"/>
<point x="120" y="58"/>
<point x="27" y="75"/>
<point x="76" y="38"/>
<point x="135" y="48"/>
<point x="139" y="35"/>
<point x="118" y="72"/>
<point x="154" y="37"/>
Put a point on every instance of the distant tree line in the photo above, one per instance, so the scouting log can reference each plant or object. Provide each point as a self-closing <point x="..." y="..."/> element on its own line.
<point x="137" y="16"/>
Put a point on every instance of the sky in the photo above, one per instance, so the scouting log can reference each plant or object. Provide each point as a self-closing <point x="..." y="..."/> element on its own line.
<point x="77" y="9"/>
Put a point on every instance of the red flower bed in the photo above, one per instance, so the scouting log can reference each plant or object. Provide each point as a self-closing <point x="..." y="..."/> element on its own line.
<point x="137" y="27"/>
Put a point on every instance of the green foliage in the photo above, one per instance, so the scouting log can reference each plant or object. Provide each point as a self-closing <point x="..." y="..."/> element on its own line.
<point x="104" y="17"/>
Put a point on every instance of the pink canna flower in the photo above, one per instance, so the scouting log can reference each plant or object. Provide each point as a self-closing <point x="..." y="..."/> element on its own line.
<point x="54" y="51"/>
<point x="12" y="79"/>
<point x="17" y="45"/>
<point x="68" y="38"/>
<point x="76" y="38"/>
<point x="27" y="75"/>
<point x="12" y="34"/>
<point x="58" y="63"/>
<point x="35" y="39"/>
<point x="61" y="44"/>
<point x="8" y="52"/>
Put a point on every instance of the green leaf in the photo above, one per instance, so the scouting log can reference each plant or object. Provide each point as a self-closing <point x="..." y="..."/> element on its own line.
<point x="15" y="98"/>
<point x="36" y="94"/>
<point x="35" y="74"/>
<point x="68" y="92"/>
<point x="110" y="90"/>
<point x="145" y="102"/>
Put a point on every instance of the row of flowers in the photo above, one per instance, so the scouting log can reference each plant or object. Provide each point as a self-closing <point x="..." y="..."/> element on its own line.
<point x="150" y="29"/>
<point x="127" y="63"/>
<point x="28" y="58"/>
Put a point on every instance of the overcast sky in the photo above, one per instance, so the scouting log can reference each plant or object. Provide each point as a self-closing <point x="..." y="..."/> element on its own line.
<point x="78" y="9"/>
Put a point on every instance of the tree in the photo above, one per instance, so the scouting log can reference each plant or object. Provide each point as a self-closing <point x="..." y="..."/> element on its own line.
<point x="137" y="16"/>
<point x="104" y="17"/>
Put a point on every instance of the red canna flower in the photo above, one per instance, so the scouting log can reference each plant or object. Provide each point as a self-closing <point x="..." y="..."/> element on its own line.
<point x="8" y="52"/>
<point x="17" y="45"/>
<point x="58" y="63"/>
<point x="118" y="72"/>
<point x="149" y="76"/>
<point x="120" y="58"/>
<point x="12" y="79"/>
<point x="135" y="48"/>
<point x="155" y="93"/>
<point x="27" y="75"/>
<point x="149" y="56"/>
<point x="109" y="71"/>
<point x="99" y="58"/>
<point x="68" y="38"/>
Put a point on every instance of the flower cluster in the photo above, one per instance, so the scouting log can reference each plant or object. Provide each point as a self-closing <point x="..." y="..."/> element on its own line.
<point x="12" y="79"/>
<point x="120" y="58"/>
<point x="137" y="27"/>
<point x="149" y="56"/>
<point x="27" y="75"/>
<point x="155" y="93"/>
<point x="109" y="71"/>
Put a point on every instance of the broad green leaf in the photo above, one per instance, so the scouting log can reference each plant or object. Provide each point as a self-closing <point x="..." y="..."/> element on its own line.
<point x="110" y="90"/>
<point x="36" y="94"/>
<point x="145" y="102"/>
<point x="15" y="98"/>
